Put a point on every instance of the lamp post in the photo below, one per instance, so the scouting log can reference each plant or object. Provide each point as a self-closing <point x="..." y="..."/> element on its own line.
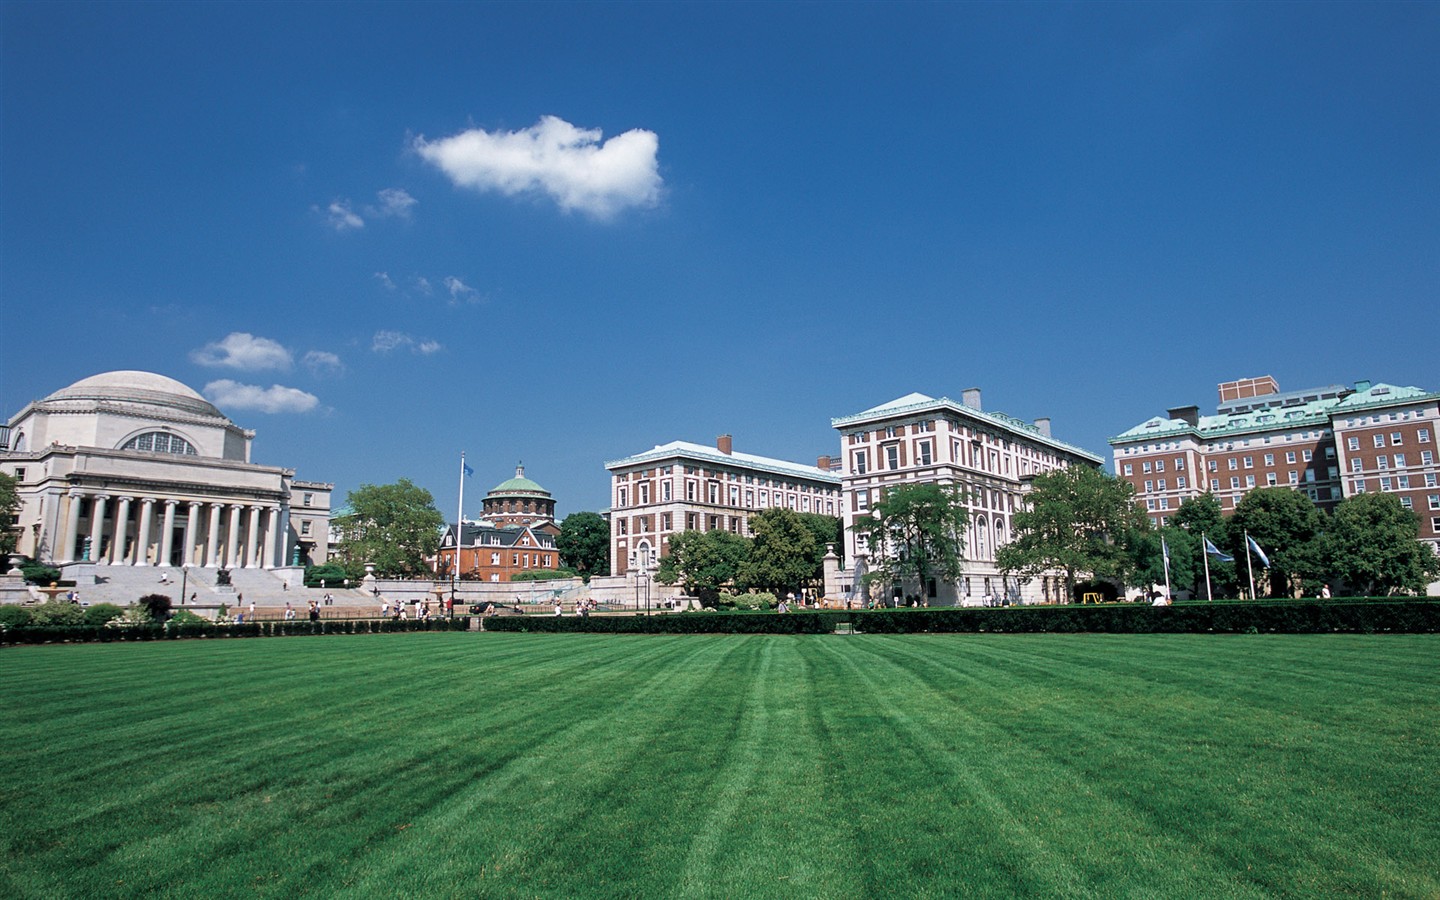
<point x="184" y="579"/>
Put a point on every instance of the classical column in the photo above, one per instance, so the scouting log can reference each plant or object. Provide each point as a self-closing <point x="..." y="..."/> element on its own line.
<point x="118" y="556"/>
<point x="167" y="535"/>
<point x="97" y="527"/>
<point x="272" y="532"/>
<point x="142" y="534"/>
<point x="72" y="526"/>
<point x="192" y="532"/>
<point x="252" y="541"/>
<point x="232" y="537"/>
<point x="212" y="540"/>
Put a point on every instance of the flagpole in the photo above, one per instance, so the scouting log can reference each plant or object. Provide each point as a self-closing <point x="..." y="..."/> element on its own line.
<point x="459" y="532"/>
<point x="1250" y="565"/>
<point x="1205" y="554"/>
<point x="1165" y="553"/>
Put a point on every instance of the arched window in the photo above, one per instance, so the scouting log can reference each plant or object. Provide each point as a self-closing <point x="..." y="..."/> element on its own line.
<point x="19" y="442"/>
<point x="160" y="442"/>
<point x="982" y="532"/>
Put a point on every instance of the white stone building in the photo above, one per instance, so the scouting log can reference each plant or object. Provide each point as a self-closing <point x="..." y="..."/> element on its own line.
<point x="917" y="439"/>
<point x="136" y="469"/>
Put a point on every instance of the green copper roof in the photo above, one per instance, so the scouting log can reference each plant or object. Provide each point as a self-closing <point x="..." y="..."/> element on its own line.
<point x="519" y="485"/>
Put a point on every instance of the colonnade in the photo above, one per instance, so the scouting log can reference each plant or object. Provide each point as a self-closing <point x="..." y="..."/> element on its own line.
<point x="210" y="533"/>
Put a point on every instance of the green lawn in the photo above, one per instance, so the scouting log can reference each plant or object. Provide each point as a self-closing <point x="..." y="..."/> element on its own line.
<point x="419" y="765"/>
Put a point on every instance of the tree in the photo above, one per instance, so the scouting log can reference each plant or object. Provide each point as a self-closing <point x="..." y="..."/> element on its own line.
<point x="1148" y="557"/>
<point x="1075" y="519"/>
<point x="395" y="526"/>
<point x="705" y="561"/>
<point x="1285" y="523"/>
<point x="9" y="510"/>
<point x="917" y="533"/>
<point x="584" y="544"/>
<point x="782" y="553"/>
<point x="1373" y="543"/>
<point x="1202" y="518"/>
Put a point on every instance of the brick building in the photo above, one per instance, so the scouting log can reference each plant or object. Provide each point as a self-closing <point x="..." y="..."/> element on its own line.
<point x="492" y="553"/>
<point x="917" y="439"/>
<point x="1329" y="442"/>
<point x="682" y="486"/>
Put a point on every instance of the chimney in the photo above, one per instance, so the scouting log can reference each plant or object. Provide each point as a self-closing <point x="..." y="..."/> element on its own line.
<point x="1362" y="386"/>
<point x="1190" y="415"/>
<point x="971" y="397"/>
<point x="823" y="463"/>
<point x="1044" y="425"/>
<point x="723" y="444"/>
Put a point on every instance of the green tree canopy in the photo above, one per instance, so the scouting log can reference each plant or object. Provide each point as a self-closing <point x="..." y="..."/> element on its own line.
<point x="1148" y="559"/>
<point x="1286" y="525"/>
<point x="704" y="561"/>
<point x="783" y="555"/>
<point x="1076" y="520"/>
<point x="584" y="543"/>
<point x="395" y="526"/>
<point x="1373" y="543"/>
<point x="9" y="510"/>
<point x="1202" y="518"/>
<point x="918" y="533"/>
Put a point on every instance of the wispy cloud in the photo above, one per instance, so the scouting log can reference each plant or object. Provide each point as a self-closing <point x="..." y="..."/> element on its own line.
<point x="385" y="281"/>
<point x="423" y="285"/>
<point x="322" y="362"/>
<point x="460" y="292"/>
<point x="395" y="203"/>
<point x="388" y="341"/>
<point x="244" y="351"/>
<point x="341" y="217"/>
<point x="570" y="165"/>
<point x="274" y="399"/>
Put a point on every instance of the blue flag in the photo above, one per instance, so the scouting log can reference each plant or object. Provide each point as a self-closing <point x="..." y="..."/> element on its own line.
<point x="1215" y="552"/>
<point x="1164" y="549"/>
<point x="466" y="467"/>
<point x="1258" y="552"/>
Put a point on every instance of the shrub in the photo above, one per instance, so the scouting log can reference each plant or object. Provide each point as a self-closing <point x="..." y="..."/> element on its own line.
<point x="328" y="575"/>
<point x="103" y="613"/>
<point x="156" y="606"/>
<point x="39" y="573"/>
<point x="748" y="601"/>
<point x="58" y="612"/>
<point x="186" y="617"/>
<point x="543" y="574"/>
<point x="14" y="616"/>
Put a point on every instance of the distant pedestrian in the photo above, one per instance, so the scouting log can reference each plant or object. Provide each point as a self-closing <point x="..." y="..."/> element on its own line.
<point x="1324" y="592"/>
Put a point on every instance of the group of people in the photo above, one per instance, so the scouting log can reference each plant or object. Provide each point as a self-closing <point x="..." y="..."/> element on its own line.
<point x="421" y="609"/>
<point x="583" y="607"/>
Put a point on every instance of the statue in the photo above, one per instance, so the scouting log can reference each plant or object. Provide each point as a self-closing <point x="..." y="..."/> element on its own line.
<point x="222" y="577"/>
<point x="295" y="556"/>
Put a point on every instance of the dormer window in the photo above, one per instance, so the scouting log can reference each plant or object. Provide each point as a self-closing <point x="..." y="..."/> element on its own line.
<point x="160" y="442"/>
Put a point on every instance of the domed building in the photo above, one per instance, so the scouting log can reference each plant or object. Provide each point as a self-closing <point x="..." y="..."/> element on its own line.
<point x="520" y="502"/>
<point x="136" y="469"/>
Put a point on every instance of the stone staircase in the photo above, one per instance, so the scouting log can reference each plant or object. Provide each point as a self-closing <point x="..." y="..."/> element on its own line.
<point x="123" y="585"/>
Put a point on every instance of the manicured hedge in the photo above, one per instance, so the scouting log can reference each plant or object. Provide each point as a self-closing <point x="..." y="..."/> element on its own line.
<point x="1283" y="617"/>
<point x="45" y="634"/>
<point x="675" y="623"/>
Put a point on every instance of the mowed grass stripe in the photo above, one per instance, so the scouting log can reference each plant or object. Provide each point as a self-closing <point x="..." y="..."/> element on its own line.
<point x="708" y="766"/>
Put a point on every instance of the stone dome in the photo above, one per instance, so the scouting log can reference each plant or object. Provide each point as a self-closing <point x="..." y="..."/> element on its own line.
<point x="134" y="387"/>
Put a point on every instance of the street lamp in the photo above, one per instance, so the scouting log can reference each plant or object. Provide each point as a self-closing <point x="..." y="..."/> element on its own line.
<point x="184" y="578"/>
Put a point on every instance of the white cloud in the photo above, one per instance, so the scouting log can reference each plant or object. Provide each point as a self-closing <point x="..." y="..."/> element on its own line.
<point x="553" y="157"/>
<point x="322" y="362"/>
<point x="423" y="285"/>
<point x="460" y="292"/>
<point x="240" y="350"/>
<point x="274" y="399"/>
<point x="342" y="218"/>
<point x="386" y="341"/>
<point x="384" y="279"/>
<point x="394" y="202"/>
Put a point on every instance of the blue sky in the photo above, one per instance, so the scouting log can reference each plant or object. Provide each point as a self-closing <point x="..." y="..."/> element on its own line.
<point x="382" y="234"/>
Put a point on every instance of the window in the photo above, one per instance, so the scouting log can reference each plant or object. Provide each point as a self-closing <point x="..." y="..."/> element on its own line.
<point x="665" y="491"/>
<point x="1214" y="484"/>
<point x="1383" y="461"/>
<point x="1399" y="460"/>
<point x="1434" y="500"/>
<point x="1295" y="476"/>
<point x="1129" y="469"/>
<point x="862" y="499"/>
<point x="1402" y="482"/>
<point x="1270" y="479"/>
<point x="1231" y="463"/>
<point x="1423" y="435"/>
<point x="1395" y="438"/>
<point x="692" y="521"/>
<point x="1160" y="484"/>
<point x="1269" y="459"/>
<point x="645" y="493"/>
<point x="304" y="527"/>
<point x="1435" y="524"/>
<point x="1290" y="456"/>
<point x="1384" y="484"/>
<point x="624" y="497"/>
<point x="1379" y="440"/>
<point x="690" y="491"/>
<point x="889" y="431"/>
<point x="1146" y="468"/>
<point x="1353" y="443"/>
<point x="713" y="490"/>
<point x="1407" y="503"/>
<point x="1306" y="455"/>
<point x="924" y="452"/>
<point x="1427" y="458"/>
<point x="1234" y="482"/>
<point x="1430" y="479"/>
<point x="861" y="463"/>
<point x="1359" y="485"/>
<point x="307" y="499"/>
<point x="749" y="498"/>
<point x="1214" y="465"/>
<point x="892" y="457"/>
<point x="160" y="442"/>
<point x="1180" y="483"/>
<point x="1356" y="465"/>
<point x="1159" y="465"/>
<point x="1149" y="486"/>
<point x="1249" y="481"/>
<point x="1249" y="462"/>
<point x="1179" y="463"/>
<point x="734" y="495"/>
